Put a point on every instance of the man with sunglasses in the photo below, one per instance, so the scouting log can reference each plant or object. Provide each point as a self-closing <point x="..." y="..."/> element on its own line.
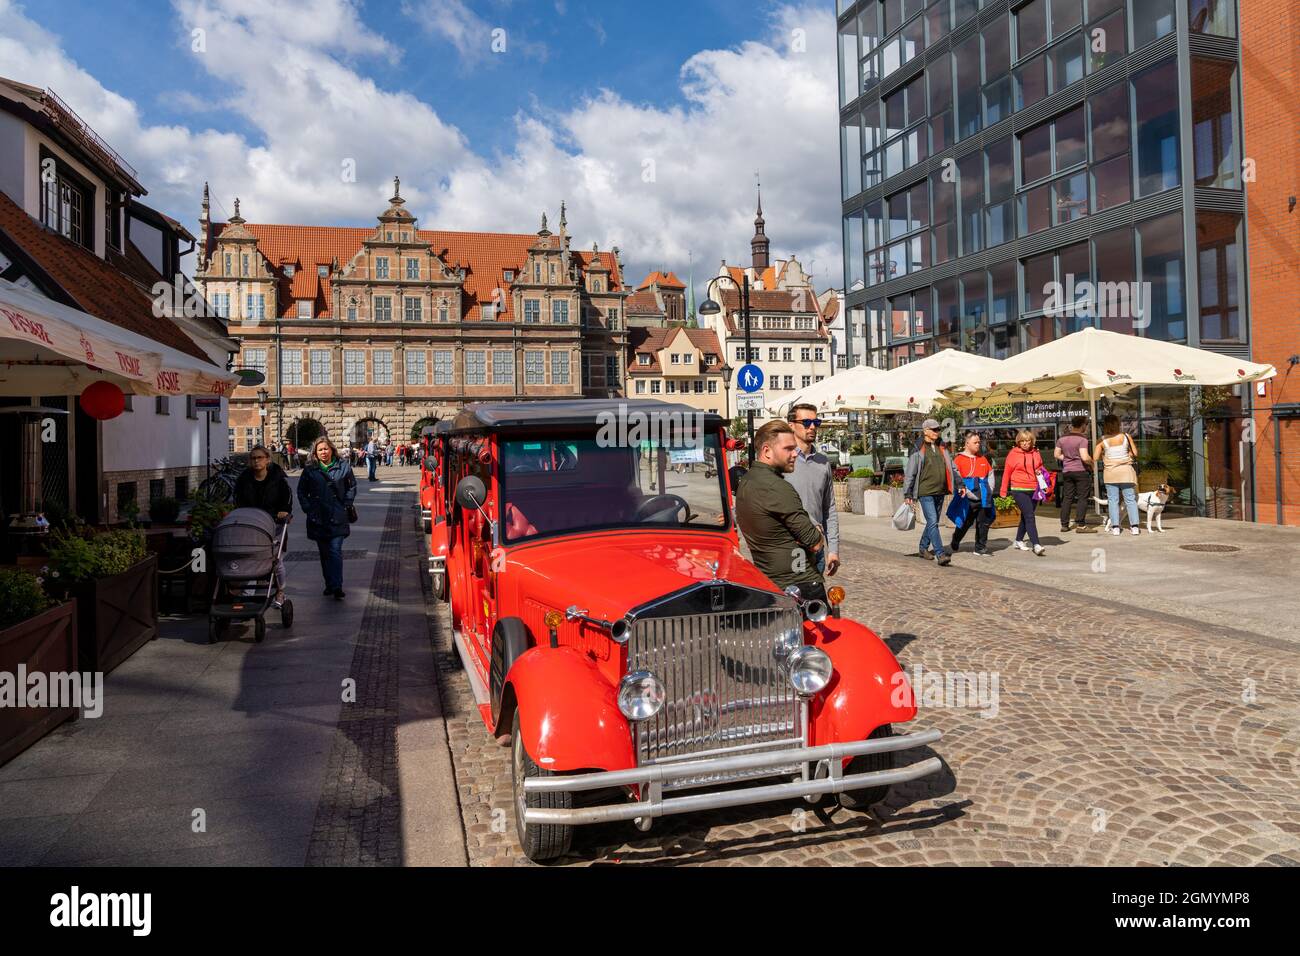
<point x="812" y="478"/>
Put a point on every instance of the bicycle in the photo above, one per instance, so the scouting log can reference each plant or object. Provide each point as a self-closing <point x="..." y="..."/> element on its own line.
<point x="219" y="487"/>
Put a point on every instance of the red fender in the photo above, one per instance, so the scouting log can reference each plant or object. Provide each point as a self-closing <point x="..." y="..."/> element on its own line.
<point x="868" y="687"/>
<point x="568" y="712"/>
<point x="438" y="539"/>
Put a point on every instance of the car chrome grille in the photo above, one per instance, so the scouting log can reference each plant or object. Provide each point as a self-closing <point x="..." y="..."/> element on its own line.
<point x="725" y="690"/>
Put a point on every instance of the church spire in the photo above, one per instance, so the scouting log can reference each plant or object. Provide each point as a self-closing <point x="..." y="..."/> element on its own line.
<point x="760" y="244"/>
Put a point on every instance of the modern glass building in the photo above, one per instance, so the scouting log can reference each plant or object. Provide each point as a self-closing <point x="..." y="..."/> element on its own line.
<point x="989" y="149"/>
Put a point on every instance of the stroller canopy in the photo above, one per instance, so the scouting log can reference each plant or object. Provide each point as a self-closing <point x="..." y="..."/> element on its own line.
<point x="251" y="518"/>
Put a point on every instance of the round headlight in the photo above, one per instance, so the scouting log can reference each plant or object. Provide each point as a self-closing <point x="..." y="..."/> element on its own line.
<point x="787" y="642"/>
<point x="810" y="670"/>
<point x="640" y="695"/>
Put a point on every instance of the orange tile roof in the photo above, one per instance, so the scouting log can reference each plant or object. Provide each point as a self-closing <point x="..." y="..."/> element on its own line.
<point x="94" y="284"/>
<point x="651" y="340"/>
<point x="761" y="300"/>
<point x="665" y="280"/>
<point x="485" y="256"/>
<point x="642" y="303"/>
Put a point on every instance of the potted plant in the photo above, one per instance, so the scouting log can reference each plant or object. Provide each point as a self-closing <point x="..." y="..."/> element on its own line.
<point x="1159" y="462"/>
<point x="114" y="580"/>
<point x="896" y="491"/>
<point x="39" y="636"/>
<point x="1005" y="513"/>
<point x="857" y="482"/>
<point x="839" y="482"/>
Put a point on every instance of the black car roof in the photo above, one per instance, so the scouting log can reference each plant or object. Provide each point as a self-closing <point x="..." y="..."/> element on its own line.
<point x="440" y="427"/>
<point x="495" y="416"/>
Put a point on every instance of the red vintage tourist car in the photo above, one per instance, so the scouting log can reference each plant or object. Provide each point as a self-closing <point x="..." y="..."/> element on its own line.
<point x="431" y="450"/>
<point x="612" y="630"/>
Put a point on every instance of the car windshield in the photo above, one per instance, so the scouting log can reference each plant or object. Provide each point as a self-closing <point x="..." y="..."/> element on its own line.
<point x="558" y="485"/>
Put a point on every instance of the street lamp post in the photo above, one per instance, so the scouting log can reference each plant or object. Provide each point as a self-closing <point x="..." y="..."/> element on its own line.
<point x="709" y="307"/>
<point x="727" y="371"/>
<point x="262" y="396"/>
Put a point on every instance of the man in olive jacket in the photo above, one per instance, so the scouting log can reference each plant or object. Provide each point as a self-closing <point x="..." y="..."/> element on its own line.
<point x="782" y="538"/>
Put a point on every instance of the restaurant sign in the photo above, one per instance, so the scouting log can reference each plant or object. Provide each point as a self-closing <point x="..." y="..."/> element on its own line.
<point x="1027" y="413"/>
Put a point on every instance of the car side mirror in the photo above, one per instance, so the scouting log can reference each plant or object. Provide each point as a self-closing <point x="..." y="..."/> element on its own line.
<point x="470" y="493"/>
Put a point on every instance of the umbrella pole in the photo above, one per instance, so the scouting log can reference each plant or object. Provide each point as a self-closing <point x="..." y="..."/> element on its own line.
<point x="1096" y="465"/>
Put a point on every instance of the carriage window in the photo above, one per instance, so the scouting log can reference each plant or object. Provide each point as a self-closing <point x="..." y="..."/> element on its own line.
<point x="554" y="486"/>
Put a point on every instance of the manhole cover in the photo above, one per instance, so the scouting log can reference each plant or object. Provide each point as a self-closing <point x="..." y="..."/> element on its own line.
<point x="1211" y="548"/>
<point x="348" y="555"/>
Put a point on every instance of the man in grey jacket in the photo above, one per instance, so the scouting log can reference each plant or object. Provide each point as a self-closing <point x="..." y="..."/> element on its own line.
<point x="929" y="477"/>
<point x="813" y="478"/>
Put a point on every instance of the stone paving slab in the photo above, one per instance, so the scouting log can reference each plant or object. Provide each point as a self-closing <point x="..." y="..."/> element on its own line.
<point x="1119" y="739"/>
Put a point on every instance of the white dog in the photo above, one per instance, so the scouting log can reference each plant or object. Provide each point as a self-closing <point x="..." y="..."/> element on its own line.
<point x="1152" y="502"/>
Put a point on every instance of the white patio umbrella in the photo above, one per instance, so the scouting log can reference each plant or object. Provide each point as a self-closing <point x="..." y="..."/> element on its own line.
<point x="1080" y="366"/>
<point x="918" y="386"/>
<point x="828" y="394"/>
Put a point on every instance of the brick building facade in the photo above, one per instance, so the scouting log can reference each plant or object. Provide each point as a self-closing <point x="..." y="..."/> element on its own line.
<point x="373" y="331"/>
<point x="1270" y="33"/>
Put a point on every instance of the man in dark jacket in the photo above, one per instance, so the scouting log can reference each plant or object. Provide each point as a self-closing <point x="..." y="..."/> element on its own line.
<point x="782" y="538"/>
<point x="263" y="485"/>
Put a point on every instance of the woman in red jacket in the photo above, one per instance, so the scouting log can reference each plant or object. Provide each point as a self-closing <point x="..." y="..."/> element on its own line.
<point x="1020" y="475"/>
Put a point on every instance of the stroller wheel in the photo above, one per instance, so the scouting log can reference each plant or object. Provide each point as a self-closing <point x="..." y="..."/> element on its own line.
<point x="259" y="629"/>
<point x="286" y="615"/>
<point x="214" y="630"/>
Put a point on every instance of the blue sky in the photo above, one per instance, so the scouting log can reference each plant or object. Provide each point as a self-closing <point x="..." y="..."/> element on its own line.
<point x="584" y="99"/>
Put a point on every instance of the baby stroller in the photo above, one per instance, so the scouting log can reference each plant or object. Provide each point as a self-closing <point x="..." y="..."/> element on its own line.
<point x="245" y="548"/>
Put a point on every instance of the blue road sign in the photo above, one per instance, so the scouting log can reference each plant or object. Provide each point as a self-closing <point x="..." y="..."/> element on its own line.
<point x="749" y="378"/>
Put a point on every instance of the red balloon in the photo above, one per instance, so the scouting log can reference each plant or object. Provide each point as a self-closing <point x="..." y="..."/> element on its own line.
<point x="102" y="401"/>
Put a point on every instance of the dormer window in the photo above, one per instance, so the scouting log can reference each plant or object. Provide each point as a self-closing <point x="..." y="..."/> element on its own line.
<point x="642" y="359"/>
<point x="304" y="308"/>
<point x="289" y="270"/>
<point x="323" y="271"/>
<point x="510" y="275"/>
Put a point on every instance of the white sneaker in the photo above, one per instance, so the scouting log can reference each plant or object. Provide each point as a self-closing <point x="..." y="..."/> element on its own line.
<point x="1114" y="530"/>
<point x="1134" y="531"/>
<point x="1039" y="550"/>
<point x="1022" y="546"/>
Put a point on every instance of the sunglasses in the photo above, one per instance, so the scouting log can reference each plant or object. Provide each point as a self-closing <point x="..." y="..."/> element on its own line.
<point x="809" y="422"/>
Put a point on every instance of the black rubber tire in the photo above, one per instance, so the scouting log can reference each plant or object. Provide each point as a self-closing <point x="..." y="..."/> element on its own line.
<point x="286" y="615"/>
<point x="259" y="629"/>
<point x="439" y="582"/>
<point x="864" y="799"/>
<point x="214" y="631"/>
<point x="539" y="841"/>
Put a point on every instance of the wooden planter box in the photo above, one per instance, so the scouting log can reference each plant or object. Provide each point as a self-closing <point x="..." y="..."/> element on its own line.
<point x="44" y="643"/>
<point x="116" y="615"/>
<point x="1006" y="519"/>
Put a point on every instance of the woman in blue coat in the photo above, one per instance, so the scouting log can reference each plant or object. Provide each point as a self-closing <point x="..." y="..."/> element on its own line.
<point x="326" y="491"/>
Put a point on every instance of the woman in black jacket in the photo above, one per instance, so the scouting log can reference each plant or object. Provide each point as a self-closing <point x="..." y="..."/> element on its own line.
<point x="263" y="485"/>
<point x="326" y="491"/>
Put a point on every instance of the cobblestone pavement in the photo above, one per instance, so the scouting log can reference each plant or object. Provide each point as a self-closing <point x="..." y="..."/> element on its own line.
<point x="1118" y="739"/>
<point x="358" y="817"/>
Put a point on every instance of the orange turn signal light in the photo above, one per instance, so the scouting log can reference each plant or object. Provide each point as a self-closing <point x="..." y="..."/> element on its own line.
<point x="835" y="595"/>
<point x="553" y="619"/>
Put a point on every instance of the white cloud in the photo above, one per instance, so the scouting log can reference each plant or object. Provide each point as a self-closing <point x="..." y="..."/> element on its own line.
<point x="294" y="73"/>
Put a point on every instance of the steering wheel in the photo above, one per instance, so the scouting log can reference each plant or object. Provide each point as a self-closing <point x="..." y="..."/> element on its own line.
<point x="666" y="505"/>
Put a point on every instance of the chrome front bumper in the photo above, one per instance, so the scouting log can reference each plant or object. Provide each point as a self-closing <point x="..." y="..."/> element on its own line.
<point x="829" y="777"/>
